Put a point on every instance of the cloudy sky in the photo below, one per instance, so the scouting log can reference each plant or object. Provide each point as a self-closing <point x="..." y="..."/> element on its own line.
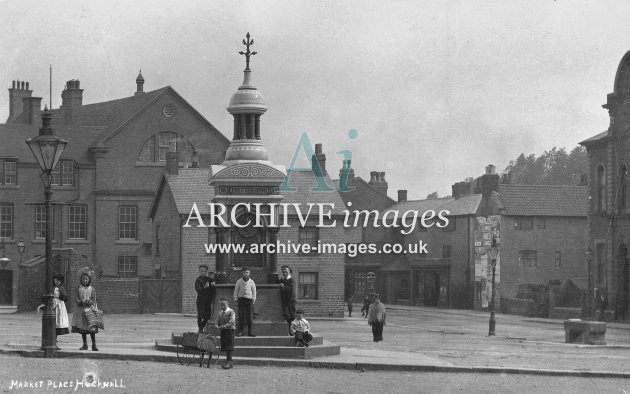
<point x="437" y="90"/>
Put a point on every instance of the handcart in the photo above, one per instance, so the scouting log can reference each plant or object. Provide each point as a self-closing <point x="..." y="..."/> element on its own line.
<point x="194" y="347"/>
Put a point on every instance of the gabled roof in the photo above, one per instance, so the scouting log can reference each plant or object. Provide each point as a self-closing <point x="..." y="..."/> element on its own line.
<point x="465" y="205"/>
<point x="189" y="186"/>
<point x="544" y="200"/>
<point x="99" y="122"/>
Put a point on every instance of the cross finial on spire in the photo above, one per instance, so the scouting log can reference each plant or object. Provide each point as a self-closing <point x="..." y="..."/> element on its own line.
<point x="247" y="53"/>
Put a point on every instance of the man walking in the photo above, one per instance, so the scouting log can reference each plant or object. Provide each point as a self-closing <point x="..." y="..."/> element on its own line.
<point x="245" y="296"/>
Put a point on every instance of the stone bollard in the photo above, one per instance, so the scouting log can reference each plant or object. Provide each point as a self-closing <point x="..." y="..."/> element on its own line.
<point x="589" y="332"/>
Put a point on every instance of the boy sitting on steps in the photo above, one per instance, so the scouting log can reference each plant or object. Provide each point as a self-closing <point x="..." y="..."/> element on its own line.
<point x="300" y="329"/>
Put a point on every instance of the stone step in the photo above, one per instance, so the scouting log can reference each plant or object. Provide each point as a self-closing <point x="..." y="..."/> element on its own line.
<point x="325" y="349"/>
<point x="261" y="340"/>
<point x="8" y="309"/>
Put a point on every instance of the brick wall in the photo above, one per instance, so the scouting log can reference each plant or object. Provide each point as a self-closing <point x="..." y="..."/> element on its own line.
<point x="118" y="295"/>
<point x="566" y="235"/>
<point x="193" y="255"/>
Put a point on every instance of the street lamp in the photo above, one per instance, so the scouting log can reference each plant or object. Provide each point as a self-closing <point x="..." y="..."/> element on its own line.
<point x="493" y="252"/>
<point x="589" y="304"/>
<point x="47" y="149"/>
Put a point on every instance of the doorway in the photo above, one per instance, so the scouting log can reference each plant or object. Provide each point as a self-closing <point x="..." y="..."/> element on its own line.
<point x="431" y="287"/>
<point x="6" y="287"/>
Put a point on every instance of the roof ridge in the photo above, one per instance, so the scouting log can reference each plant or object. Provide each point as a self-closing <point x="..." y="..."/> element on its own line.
<point x="524" y="184"/>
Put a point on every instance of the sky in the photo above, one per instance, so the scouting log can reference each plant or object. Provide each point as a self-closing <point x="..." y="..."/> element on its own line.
<point x="437" y="90"/>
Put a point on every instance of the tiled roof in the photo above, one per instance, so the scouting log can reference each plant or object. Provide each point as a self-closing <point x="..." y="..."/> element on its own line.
<point x="364" y="196"/>
<point x="544" y="200"/>
<point x="190" y="185"/>
<point x="465" y="205"/>
<point x="595" y="138"/>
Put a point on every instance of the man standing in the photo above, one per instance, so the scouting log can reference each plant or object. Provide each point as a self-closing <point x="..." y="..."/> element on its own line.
<point x="245" y="295"/>
<point x="204" y="286"/>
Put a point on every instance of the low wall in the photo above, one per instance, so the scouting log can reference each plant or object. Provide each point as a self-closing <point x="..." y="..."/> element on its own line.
<point x="565" y="313"/>
<point x="518" y="306"/>
<point x="118" y="295"/>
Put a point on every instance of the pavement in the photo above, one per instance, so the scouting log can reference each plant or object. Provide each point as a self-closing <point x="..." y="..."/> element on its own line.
<point x="416" y="339"/>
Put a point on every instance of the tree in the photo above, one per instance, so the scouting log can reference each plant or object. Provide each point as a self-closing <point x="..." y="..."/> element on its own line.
<point x="432" y="196"/>
<point x="552" y="167"/>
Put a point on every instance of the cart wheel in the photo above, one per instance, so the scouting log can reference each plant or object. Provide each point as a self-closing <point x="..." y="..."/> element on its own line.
<point x="186" y="355"/>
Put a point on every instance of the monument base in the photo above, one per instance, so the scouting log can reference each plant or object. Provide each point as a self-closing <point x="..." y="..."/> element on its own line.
<point x="268" y="319"/>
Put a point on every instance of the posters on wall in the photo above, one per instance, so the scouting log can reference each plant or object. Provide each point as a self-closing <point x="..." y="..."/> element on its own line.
<point x="485" y="230"/>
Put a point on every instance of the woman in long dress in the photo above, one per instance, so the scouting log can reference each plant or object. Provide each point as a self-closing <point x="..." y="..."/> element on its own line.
<point x="376" y="318"/>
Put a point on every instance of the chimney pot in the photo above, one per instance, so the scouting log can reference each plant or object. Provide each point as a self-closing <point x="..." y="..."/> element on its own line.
<point x="373" y="177"/>
<point x="13" y="86"/>
<point x="318" y="149"/>
<point x="490" y="169"/>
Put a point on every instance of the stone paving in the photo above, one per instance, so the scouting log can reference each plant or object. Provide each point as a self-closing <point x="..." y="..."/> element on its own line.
<point x="415" y="337"/>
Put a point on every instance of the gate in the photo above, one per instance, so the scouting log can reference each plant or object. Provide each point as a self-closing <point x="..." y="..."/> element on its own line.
<point x="161" y="295"/>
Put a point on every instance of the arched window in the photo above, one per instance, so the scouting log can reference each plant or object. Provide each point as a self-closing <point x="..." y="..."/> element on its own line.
<point x="157" y="146"/>
<point x="601" y="188"/>
<point x="622" y="193"/>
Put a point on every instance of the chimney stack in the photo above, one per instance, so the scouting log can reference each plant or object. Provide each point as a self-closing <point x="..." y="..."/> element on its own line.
<point x="72" y="101"/>
<point x="347" y="173"/>
<point x="378" y="182"/>
<point x="320" y="158"/>
<point x="489" y="182"/>
<point x="402" y="196"/>
<point x="18" y="91"/>
<point x="31" y="110"/>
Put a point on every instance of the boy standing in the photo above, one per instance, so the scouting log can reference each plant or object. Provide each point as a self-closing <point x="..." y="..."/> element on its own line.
<point x="226" y="323"/>
<point x="204" y="286"/>
<point x="245" y="295"/>
<point x="300" y="328"/>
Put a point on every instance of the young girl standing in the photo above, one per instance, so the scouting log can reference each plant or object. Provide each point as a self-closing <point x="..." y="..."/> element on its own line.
<point x="59" y="302"/>
<point x="86" y="296"/>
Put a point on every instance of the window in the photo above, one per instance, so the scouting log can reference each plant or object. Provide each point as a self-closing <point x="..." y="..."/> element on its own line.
<point x="127" y="221"/>
<point x="446" y="251"/>
<point x="8" y="172"/>
<point x="558" y="259"/>
<point x="63" y="174"/>
<point x="601" y="262"/>
<point x="542" y="223"/>
<point x="127" y="266"/>
<point x="77" y="222"/>
<point x="601" y="189"/>
<point x="147" y="248"/>
<point x="157" y="146"/>
<point x="310" y="236"/>
<point x="308" y="285"/>
<point x="40" y="221"/>
<point x="523" y="223"/>
<point x="6" y="220"/>
<point x="451" y="225"/>
<point x="527" y="258"/>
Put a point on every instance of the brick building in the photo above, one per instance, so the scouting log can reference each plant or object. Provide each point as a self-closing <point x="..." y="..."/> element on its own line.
<point x="105" y="180"/>
<point x="247" y="176"/>
<point x="541" y="231"/>
<point x="609" y="222"/>
<point x="361" y="270"/>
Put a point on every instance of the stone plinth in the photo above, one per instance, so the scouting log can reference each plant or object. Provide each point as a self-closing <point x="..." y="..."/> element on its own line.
<point x="589" y="332"/>
<point x="268" y="320"/>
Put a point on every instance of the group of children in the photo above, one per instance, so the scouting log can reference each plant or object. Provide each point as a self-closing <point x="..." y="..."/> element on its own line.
<point x="85" y="298"/>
